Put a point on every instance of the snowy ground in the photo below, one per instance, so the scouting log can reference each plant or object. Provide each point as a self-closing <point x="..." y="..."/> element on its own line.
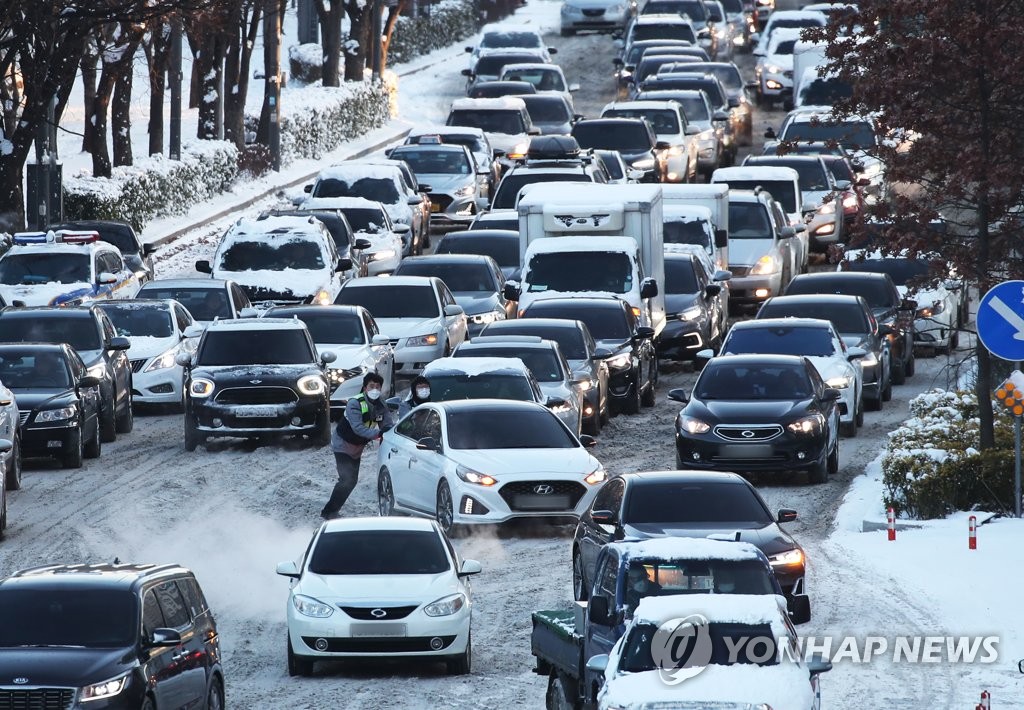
<point x="234" y="511"/>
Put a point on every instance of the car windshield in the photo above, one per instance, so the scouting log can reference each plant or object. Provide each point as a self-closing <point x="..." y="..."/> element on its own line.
<point x="852" y="136"/>
<point x="693" y="231"/>
<point x="377" y="189"/>
<point x="680" y="277"/>
<point x="661" y="120"/>
<point x="541" y="362"/>
<point x="81" y="333"/>
<point x="580" y="271"/>
<point x="730" y="381"/>
<point x="255" y="347"/>
<point x="780" y="340"/>
<point x="847" y="319"/>
<point x="875" y="291"/>
<point x="496" y="221"/>
<point x="459" y="278"/>
<point x="542" y="79"/>
<point x="694" y="9"/>
<point x="17" y="269"/>
<point x="445" y="386"/>
<point x="732" y="6"/>
<point x="611" y="165"/>
<point x="509" y="122"/>
<point x="366" y="220"/>
<point x="812" y="175"/>
<point x="628" y="137"/>
<point x="795" y="23"/>
<point x="783" y="47"/>
<point x="902" y="271"/>
<point x="372" y="552"/>
<point x="724" y="639"/>
<point x="546" y="109"/>
<point x="667" y="578"/>
<point x="748" y="220"/>
<point x="490" y="429"/>
<point x="514" y="181"/>
<point x="204" y="304"/>
<point x="783" y="191"/>
<point x="603" y="323"/>
<point x="824" y="92"/>
<point x="31" y="370"/>
<point x="332" y="328"/>
<point x="664" y="31"/>
<point x="509" y="38"/>
<point x="390" y="301"/>
<point x="503" y="251"/>
<point x="77" y="617"/>
<point x="696" y="504"/>
<point x="145" y="321"/>
<point x="435" y="162"/>
<point x="491" y="65"/>
<point x="276" y="255"/>
<point x="570" y="339"/>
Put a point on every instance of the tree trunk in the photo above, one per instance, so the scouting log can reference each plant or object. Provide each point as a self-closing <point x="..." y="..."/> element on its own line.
<point x="394" y="12"/>
<point x="359" y="33"/>
<point x="236" y="74"/>
<point x="158" y="55"/>
<point x="210" y="67"/>
<point x="89" y="61"/>
<point x="195" y="45"/>
<point x="330" y="40"/>
<point x="121" y="61"/>
<point x="121" y="119"/>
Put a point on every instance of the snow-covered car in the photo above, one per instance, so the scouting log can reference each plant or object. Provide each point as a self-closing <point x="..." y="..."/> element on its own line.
<point x="485" y="461"/>
<point x="818" y="341"/>
<point x="546" y="78"/>
<point x="782" y="20"/>
<point x="379" y="588"/>
<point x="64" y="268"/>
<point x="156" y="330"/>
<point x="504" y="37"/>
<point x="552" y="114"/>
<point x="473" y="138"/>
<point x="417" y="313"/>
<point x="505" y="120"/>
<point x="351" y="333"/>
<point x="602" y="15"/>
<point x="668" y="120"/>
<point x="930" y="281"/>
<point x="691" y="225"/>
<point x="487" y="67"/>
<point x="370" y="221"/>
<point x="774" y="69"/>
<point x="699" y="112"/>
<point x="279" y="260"/>
<point x="447" y="173"/>
<point x="727" y="668"/>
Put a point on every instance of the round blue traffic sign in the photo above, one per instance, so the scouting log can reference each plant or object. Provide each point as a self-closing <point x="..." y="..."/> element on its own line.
<point x="1001" y="320"/>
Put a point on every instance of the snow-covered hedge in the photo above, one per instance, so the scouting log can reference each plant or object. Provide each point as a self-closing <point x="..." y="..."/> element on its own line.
<point x="450" y="21"/>
<point x="155" y="186"/>
<point x="932" y="467"/>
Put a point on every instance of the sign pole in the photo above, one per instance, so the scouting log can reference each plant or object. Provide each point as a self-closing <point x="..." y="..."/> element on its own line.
<point x="1016" y="462"/>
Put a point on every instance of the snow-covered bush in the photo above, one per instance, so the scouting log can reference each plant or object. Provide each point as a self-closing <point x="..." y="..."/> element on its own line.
<point x="450" y="21"/>
<point x="305" y="62"/>
<point x="155" y="186"/>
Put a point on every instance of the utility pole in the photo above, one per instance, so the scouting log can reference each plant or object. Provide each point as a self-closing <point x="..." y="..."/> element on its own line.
<point x="176" y="78"/>
<point x="376" y="48"/>
<point x="272" y="36"/>
<point x="309" y="23"/>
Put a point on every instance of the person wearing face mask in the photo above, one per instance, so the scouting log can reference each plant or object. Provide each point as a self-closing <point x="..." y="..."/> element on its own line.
<point x="639" y="585"/>
<point x="366" y="418"/>
<point x="419" y="393"/>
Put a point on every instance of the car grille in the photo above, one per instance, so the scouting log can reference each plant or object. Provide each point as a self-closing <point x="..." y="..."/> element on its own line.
<point x="542" y="496"/>
<point x="23" y="416"/>
<point x="739" y="270"/>
<point x="36" y="698"/>
<point x="593" y="12"/>
<point x="408" y="644"/>
<point x="739" y="462"/>
<point x="749" y="433"/>
<point x="257" y="395"/>
<point x="137" y="365"/>
<point x="390" y="612"/>
<point x="442" y="201"/>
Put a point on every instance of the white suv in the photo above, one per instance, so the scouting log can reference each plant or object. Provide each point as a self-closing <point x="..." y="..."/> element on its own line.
<point x="670" y="126"/>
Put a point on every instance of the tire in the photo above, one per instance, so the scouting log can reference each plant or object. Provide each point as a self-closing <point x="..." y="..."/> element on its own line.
<point x="579" y="580"/>
<point x="94" y="447"/>
<point x="13" y="479"/>
<point x="875" y="405"/>
<point x="192" y="436"/>
<point x="568" y="33"/>
<point x="73" y="457"/>
<point x="444" y="508"/>
<point x="148" y="704"/>
<point x="215" y="696"/>
<point x="108" y="423"/>
<point x="898" y="375"/>
<point x="606" y="413"/>
<point x="848" y="429"/>
<point x="125" y="421"/>
<point x="323" y="434"/>
<point x="298" y="665"/>
<point x="461" y="664"/>
<point x="911" y="365"/>
<point x="647" y="398"/>
<point x="860" y="410"/>
<point x="3" y="512"/>
<point x="558" y="696"/>
<point x="832" y="465"/>
<point x="447" y="349"/>
<point x="631" y="405"/>
<point x="954" y="341"/>
<point x="385" y="494"/>
<point x="818" y="474"/>
<point x="887" y="391"/>
<point x="592" y="426"/>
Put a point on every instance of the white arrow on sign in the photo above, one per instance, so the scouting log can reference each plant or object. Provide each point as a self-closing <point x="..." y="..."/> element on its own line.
<point x="1009" y="315"/>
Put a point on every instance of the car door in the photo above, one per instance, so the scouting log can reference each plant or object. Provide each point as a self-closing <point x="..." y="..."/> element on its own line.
<point x="601" y="637"/>
<point x="118" y="362"/>
<point x="397" y="457"/>
<point x="204" y="646"/>
<point x="595" y="535"/>
<point x="427" y="467"/>
<point x="88" y="397"/>
<point x="456" y="325"/>
<point x="163" y="666"/>
<point x="829" y="409"/>
<point x="188" y="663"/>
<point x="239" y="300"/>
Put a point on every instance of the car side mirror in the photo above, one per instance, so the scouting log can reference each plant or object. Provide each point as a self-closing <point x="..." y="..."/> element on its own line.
<point x="428" y="443"/>
<point x="692" y="130"/>
<point x="401" y="228"/>
<point x="183" y="359"/>
<point x="414" y="200"/>
<point x="720" y="116"/>
<point x="618" y="62"/>
<point x="818" y="665"/>
<point x="598" y="610"/>
<point x="380" y="339"/>
<point x="344" y="264"/>
<point x="799" y="608"/>
<point x="555" y="402"/>
<point x="552" y="50"/>
<point x="786" y="515"/>
<point x="453" y="310"/>
<point x="89" y="381"/>
<point x="644" y="332"/>
<point x="203" y="267"/>
<point x="843" y="185"/>
<point x="830" y="395"/>
<point x="327" y="357"/>
<point x="467" y="72"/>
<point x="148" y="249"/>
<point x="469" y="50"/>
<point x="634" y="174"/>
<point x="533" y="131"/>
<point x="498" y="153"/>
<point x="855" y="353"/>
<point x="106" y="278"/>
<point x="164" y="638"/>
<point x="770" y="133"/>
<point x="588" y="441"/>
<point x="424" y="188"/>
<point x="307" y="188"/>
<point x="908" y="304"/>
<point x="678" y="394"/>
<point x="288" y="569"/>
<point x="734" y="102"/>
<point x="712" y="290"/>
<point x="787" y="232"/>
<point x="662" y="145"/>
<point x="861" y="182"/>
<point x="511" y="291"/>
<point x="603" y="517"/>
<point x="649" y="288"/>
<point x="574" y="88"/>
<point x="470" y="567"/>
<point x="119" y="343"/>
<point x="722" y="275"/>
<point x="599" y="663"/>
<point x="601" y="354"/>
<point x="193" y="331"/>
<point x="393" y="403"/>
<point x="885" y="330"/>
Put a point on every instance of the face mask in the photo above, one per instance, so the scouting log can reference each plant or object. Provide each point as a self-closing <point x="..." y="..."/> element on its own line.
<point x="373" y="394"/>
<point x="423" y="392"/>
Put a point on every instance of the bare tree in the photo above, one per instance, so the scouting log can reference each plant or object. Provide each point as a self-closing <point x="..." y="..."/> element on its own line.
<point x="330" y="14"/>
<point x="157" y="46"/>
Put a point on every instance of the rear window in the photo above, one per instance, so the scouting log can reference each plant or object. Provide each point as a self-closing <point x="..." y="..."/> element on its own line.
<point x="335" y="328"/>
<point x="875" y="291"/>
<point x="204" y="304"/>
<point x="544" y="109"/>
<point x="570" y="340"/>
<point x="81" y="333"/>
<point x="603" y="323"/>
<point x="366" y="220"/>
<point x="503" y="251"/>
<point x="683" y="32"/>
<point x="460" y="278"/>
<point x="542" y="362"/>
<point x="662" y="121"/>
<point x="376" y="189"/>
<point x="680" y="277"/>
<point x="140" y="321"/>
<point x="625" y="137"/>
<point x="780" y="340"/>
<point x="371" y="552"/>
<point x="694" y="503"/>
<point x="389" y="301"/>
<point x="90" y="618"/>
<point x="847" y="319"/>
<point x="512" y="183"/>
<point x="447" y="387"/>
<point x="255" y="347"/>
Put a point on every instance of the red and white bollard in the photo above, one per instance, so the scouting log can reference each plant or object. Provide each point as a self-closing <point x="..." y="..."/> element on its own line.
<point x="891" y="516"/>
<point x="972" y="544"/>
<point x="986" y="698"/>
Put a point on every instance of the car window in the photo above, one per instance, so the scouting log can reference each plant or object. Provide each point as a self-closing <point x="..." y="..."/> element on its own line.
<point x="18" y="269"/>
<point x="845" y="318"/>
<point x="152" y="615"/>
<point x="431" y="425"/>
<point x="193" y="596"/>
<point x="173" y="605"/>
<point x="183" y="317"/>
<point x="241" y="300"/>
<point x="385" y="552"/>
<point x="608" y="580"/>
<point x="542" y="362"/>
<point x="752" y="381"/>
<point x="610" y="497"/>
<point x="389" y="301"/>
<point x="371" y="325"/>
<point x="78" y="332"/>
<point x="412" y="425"/>
<point x="130" y="320"/>
<point x="780" y="340"/>
<point x="694" y="503"/>
<point x="255" y="347"/>
<point x="488" y="429"/>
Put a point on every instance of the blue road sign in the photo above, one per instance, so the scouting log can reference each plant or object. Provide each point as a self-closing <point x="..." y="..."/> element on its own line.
<point x="1001" y="320"/>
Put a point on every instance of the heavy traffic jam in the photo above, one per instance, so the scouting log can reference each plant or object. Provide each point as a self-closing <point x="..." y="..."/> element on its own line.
<point x="461" y="321"/>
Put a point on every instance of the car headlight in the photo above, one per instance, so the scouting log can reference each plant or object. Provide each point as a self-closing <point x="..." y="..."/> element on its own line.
<point x="470" y="476"/>
<point x="692" y="425"/>
<point x="308" y="606"/>
<point x="767" y="264"/>
<point x="644" y="164"/>
<point x="311" y="384"/>
<point x="519" y="151"/>
<point x="98" y="370"/>
<point x="322" y="298"/>
<point x="827" y="208"/>
<point x="839" y="383"/>
<point x="200" y="387"/>
<point x="773" y="69"/>
<point x="691" y="313"/>
<point x="620" y="361"/>
<point x="598" y="475"/>
<point x="584" y="384"/>
<point x="560" y="408"/>
<point x="674" y="151"/>
<point x="807" y="425"/>
<point x="932" y="310"/>
<point x="465" y="191"/>
<point x="102" y="691"/>
<point x="382" y="255"/>
<point x="418" y="341"/>
<point x="446" y="606"/>
<point x="792" y="557"/>
<point x="488" y="317"/>
<point x="850" y="201"/>
<point x="57" y="415"/>
<point x="337" y="376"/>
<point x="869" y="360"/>
<point x="163" y="361"/>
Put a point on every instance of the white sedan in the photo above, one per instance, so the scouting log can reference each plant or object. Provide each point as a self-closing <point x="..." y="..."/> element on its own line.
<point x="379" y="587"/>
<point x="485" y="461"/>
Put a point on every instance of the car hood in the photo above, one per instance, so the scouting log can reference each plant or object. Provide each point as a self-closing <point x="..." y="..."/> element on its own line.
<point x="143" y="348"/>
<point x="630" y="155"/>
<point x="924" y="296"/>
<point x="39" y="397"/>
<point x="396" y="328"/>
<point x="768" y="538"/>
<point x="45" y="294"/>
<point x="93" y="357"/>
<point x="255" y="374"/>
<point x="559" y="390"/>
<point x="445" y="182"/>
<point x="529" y="463"/>
<point x="506" y="141"/>
<point x="346" y="356"/>
<point x="746" y="252"/>
<point x="784" y="61"/>
<point x="679" y="302"/>
<point x="613" y="344"/>
<point x="831" y="366"/>
<point x="474" y="302"/>
<point x="745" y="411"/>
<point x="377" y="589"/>
<point x="63" y="667"/>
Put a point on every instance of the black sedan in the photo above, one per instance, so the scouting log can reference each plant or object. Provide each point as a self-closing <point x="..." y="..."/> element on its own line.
<point x="759" y="413"/>
<point x="698" y="504"/>
<point x="696" y="308"/>
<point x="626" y="346"/>
<point x="58" y="400"/>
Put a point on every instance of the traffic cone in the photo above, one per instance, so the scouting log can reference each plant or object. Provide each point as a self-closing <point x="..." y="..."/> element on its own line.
<point x="986" y="698"/>
<point x="972" y="544"/>
<point x="892" y="524"/>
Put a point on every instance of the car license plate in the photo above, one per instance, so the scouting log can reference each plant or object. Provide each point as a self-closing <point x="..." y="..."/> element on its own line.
<point x="746" y="451"/>
<point x="256" y="411"/>
<point x="542" y="502"/>
<point x="434" y="207"/>
<point x="378" y="629"/>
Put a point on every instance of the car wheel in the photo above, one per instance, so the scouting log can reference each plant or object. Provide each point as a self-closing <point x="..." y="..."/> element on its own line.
<point x="148" y="704"/>
<point x="647" y="398"/>
<point x="14" y="472"/>
<point x="579" y="580"/>
<point x="125" y="421"/>
<point x="447" y="349"/>
<point x="911" y="365"/>
<point x="95" y="446"/>
<point x="74" y="454"/>
<point x="605" y="407"/>
<point x="818" y="474"/>
<point x="192" y="436"/>
<point x="898" y="375"/>
<point x="215" y="698"/>
<point x="558" y="697"/>
<point x="875" y="404"/>
<point x="108" y="422"/>
<point x="323" y="434"/>
<point x="848" y="429"/>
<point x="887" y="390"/>
<point x="444" y="511"/>
<point x="298" y="665"/>
<point x="568" y="33"/>
<point x="462" y="664"/>
<point x="833" y="459"/>
<point x="954" y="340"/>
<point x="860" y="410"/>
<point x="3" y="512"/>
<point x="632" y="403"/>
<point x="385" y="494"/>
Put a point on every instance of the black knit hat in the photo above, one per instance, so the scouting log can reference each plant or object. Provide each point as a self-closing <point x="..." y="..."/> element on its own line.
<point x="372" y="376"/>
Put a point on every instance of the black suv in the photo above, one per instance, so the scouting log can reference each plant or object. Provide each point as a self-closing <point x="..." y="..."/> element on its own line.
<point x="253" y="378"/>
<point x="895" y="315"/>
<point x="89" y="331"/>
<point x="137" y="256"/>
<point x="108" y="636"/>
<point x="633" y="137"/>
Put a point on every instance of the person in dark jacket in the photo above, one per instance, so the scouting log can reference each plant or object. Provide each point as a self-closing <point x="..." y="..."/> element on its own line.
<point x="366" y="418"/>
<point x="419" y="393"/>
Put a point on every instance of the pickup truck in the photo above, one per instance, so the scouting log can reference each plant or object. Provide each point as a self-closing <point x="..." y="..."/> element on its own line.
<point x="563" y="641"/>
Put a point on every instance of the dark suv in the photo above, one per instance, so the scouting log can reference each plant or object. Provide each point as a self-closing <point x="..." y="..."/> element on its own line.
<point x="108" y="636"/>
<point x="89" y="331"/>
<point x="633" y="137"/>
<point x="253" y="378"/>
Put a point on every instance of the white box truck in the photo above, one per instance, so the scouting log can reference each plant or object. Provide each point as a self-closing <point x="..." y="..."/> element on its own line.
<point x="588" y="210"/>
<point x="716" y="199"/>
